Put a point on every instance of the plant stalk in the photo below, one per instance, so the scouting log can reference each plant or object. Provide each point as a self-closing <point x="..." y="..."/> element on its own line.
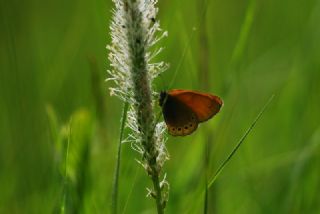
<point x="133" y="32"/>
<point x="158" y="196"/>
<point x="142" y="96"/>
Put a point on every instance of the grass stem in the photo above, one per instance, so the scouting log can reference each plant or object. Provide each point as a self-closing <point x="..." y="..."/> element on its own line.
<point x="235" y="149"/>
<point x="115" y="187"/>
<point x="159" y="202"/>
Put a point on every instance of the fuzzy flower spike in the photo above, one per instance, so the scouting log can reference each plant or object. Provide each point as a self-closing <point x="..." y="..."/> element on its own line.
<point x="134" y="30"/>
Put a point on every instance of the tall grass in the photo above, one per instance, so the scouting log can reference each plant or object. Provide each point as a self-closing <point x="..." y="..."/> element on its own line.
<point x="252" y="49"/>
<point x="115" y="190"/>
<point x="133" y="32"/>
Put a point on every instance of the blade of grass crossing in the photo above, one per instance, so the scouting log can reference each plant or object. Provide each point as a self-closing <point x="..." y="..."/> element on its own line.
<point x="65" y="179"/>
<point x="115" y="187"/>
<point x="137" y="173"/>
<point x="226" y="161"/>
<point x="188" y="45"/>
<point x="244" y="34"/>
<point x="206" y="166"/>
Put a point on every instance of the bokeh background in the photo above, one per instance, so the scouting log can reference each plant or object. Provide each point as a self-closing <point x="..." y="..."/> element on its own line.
<point x="53" y="94"/>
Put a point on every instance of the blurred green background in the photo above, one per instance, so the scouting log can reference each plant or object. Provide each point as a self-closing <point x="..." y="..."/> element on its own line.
<point x="52" y="91"/>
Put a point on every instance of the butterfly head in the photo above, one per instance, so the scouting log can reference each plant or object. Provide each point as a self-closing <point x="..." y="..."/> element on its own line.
<point x="162" y="97"/>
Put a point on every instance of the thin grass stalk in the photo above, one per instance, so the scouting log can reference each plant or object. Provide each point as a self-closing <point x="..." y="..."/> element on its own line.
<point x="206" y="166"/>
<point x="242" y="41"/>
<point x="65" y="176"/>
<point x="240" y="142"/>
<point x="204" y="79"/>
<point x="115" y="186"/>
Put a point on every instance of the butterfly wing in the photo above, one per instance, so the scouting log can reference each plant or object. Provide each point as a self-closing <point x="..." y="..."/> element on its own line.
<point x="180" y="119"/>
<point x="203" y="105"/>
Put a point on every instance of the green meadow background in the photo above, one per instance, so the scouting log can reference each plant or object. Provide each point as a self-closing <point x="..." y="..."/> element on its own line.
<point x="53" y="99"/>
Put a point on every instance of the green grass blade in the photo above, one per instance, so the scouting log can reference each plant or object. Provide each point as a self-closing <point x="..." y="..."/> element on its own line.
<point x="205" y="207"/>
<point x="206" y="167"/>
<point x="188" y="45"/>
<point x="65" y="176"/>
<point x="226" y="161"/>
<point x="115" y="187"/>
<point x="136" y="175"/>
<point x="244" y="34"/>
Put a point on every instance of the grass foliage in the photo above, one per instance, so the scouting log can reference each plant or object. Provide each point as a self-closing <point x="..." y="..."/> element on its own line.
<point x="59" y="128"/>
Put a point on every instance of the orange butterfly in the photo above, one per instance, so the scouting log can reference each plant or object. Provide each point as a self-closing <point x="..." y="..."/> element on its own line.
<point x="183" y="110"/>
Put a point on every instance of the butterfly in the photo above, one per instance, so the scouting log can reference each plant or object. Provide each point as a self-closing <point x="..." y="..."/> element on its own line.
<point x="183" y="110"/>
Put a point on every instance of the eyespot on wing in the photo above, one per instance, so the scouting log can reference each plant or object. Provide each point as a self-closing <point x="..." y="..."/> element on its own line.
<point x="180" y="119"/>
<point x="184" y="129"/>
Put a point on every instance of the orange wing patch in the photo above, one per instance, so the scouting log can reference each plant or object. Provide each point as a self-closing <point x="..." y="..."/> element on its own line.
<point x="204" y="105"/>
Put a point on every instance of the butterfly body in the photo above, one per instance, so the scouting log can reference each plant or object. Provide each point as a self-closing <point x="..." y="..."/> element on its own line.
<point x="183" y="110"/>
